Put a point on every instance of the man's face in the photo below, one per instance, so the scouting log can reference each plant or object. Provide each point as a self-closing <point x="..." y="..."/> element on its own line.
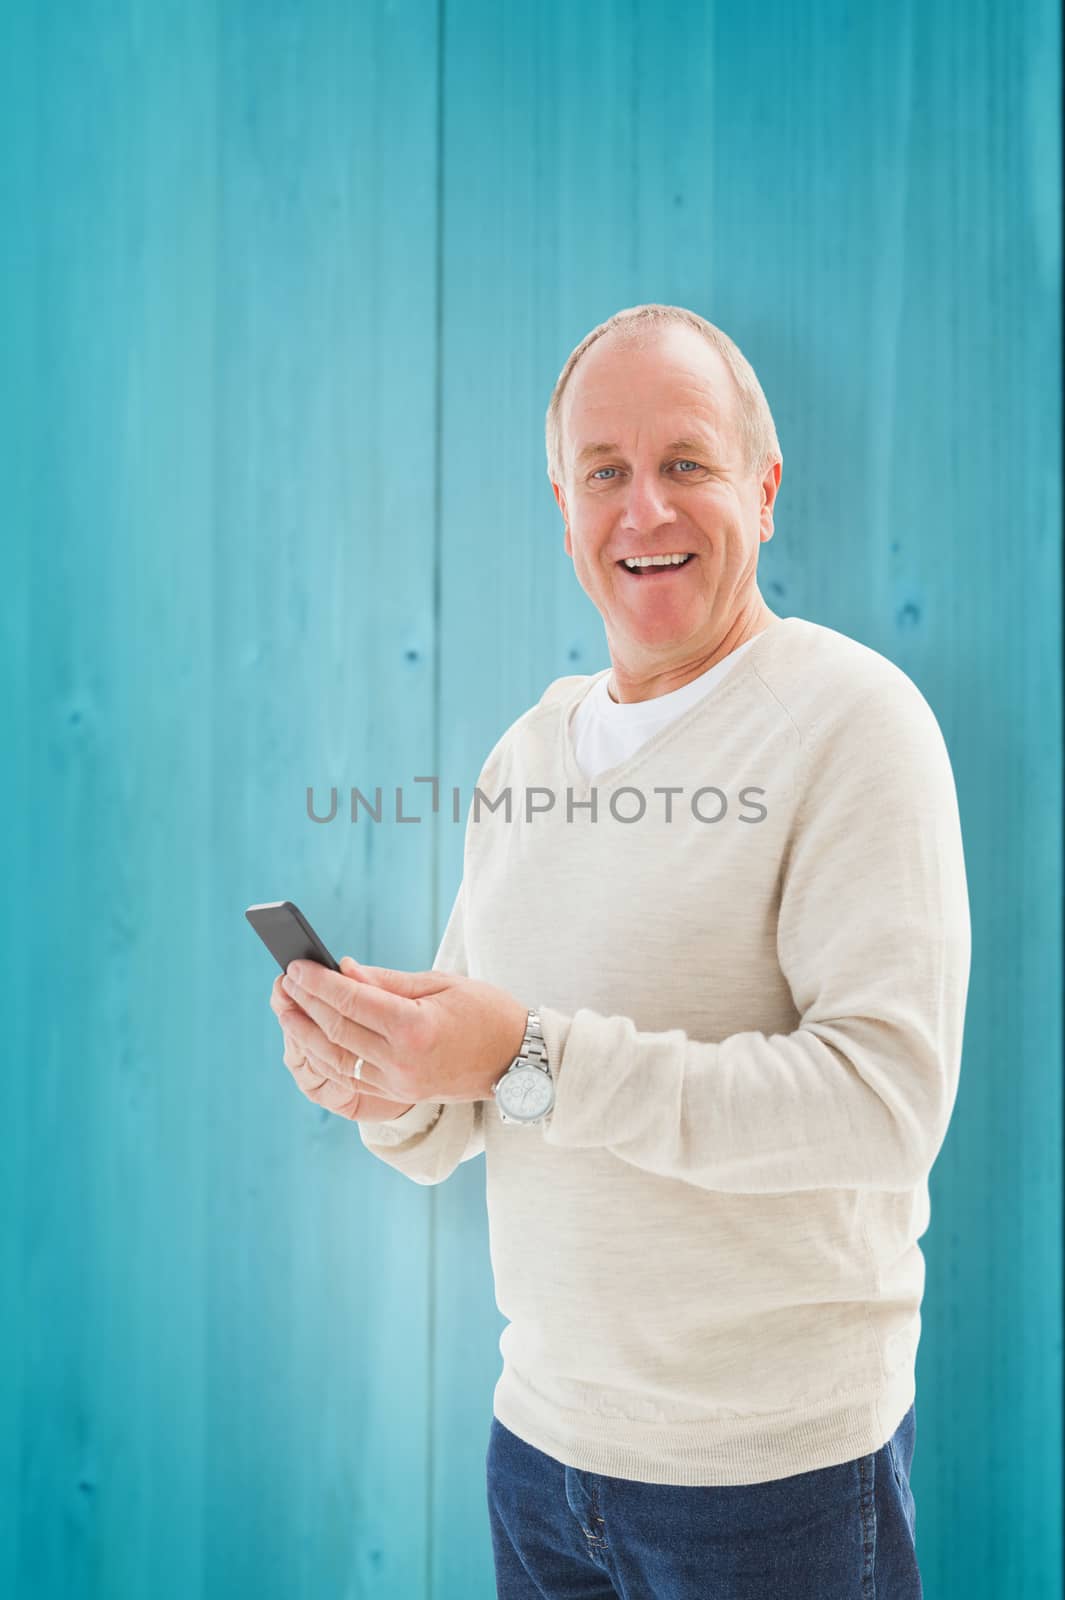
<point x="670" y="483"/>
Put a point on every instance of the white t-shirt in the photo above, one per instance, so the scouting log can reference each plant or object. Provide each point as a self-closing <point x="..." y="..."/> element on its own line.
<point x="607" y="732"/>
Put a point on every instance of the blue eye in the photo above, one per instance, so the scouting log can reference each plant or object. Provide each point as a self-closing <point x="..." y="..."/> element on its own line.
<point x="686" y="462"/>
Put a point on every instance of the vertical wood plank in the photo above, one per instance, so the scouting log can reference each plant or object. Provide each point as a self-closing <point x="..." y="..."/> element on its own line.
<point x="324" y="660"/>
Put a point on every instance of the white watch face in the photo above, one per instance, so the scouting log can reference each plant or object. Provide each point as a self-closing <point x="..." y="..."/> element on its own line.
<point x="526" y="1092"/>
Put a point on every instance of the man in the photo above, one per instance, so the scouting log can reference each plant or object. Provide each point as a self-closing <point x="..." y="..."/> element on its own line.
<point x="700" y="1001"/>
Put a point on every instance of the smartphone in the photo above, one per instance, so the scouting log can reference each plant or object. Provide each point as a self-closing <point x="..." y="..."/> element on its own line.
<point x="287" y="934"/>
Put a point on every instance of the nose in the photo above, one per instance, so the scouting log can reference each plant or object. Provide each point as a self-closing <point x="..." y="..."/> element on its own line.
<point x="647" y="504"/>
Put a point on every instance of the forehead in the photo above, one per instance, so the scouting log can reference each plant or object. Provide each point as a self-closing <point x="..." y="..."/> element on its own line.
<point x="671" y="385"/>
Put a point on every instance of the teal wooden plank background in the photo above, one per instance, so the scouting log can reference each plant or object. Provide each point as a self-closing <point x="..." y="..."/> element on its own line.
<point x="284" y="292"/>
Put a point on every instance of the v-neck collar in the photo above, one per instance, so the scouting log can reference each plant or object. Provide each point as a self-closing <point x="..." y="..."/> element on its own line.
<point x="568" y="712"/>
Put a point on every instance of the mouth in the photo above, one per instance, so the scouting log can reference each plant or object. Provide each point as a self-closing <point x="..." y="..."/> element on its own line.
<point x="656" y="574"/>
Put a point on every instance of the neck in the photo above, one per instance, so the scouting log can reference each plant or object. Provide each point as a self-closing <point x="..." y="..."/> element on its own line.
<point x="627" y="685"/>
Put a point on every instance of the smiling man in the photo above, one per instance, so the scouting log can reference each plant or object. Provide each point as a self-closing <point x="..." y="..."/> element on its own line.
<point x="669" y="500"/>
<point x="703" y="1014"/>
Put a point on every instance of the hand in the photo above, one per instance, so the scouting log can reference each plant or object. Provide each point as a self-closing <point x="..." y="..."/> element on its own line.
<point x="421" y="1035"/>
<point x="314" y="1077"/>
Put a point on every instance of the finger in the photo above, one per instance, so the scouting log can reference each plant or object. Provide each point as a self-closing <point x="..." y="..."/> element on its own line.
<point x="336" y="987"/>
<point x="310" y="1071"/>
<point x="281" y="1003"/>
<point x="356" y="1088"/>
<point x="347" y="1081"/>
<point x="347" y="1032"/>
<point x="354" y="1104"/>
<point x="307" y="1039"/>
<point x="293" y="1055"/>
<point x="337" y="1063"/>
<point x="365" y="1019"/>
<point x="286" y="1012"/>
<point x="321" y="980"/>
<point x="409" y="985"/>
<point x="341" y="1099"/>
<point x="379" y="975"/>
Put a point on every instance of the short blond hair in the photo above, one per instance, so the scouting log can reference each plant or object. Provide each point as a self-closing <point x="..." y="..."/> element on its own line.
<point x="758" y="435"/>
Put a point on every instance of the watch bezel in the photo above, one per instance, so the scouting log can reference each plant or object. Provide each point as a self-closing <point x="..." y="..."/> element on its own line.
<point x="519" y="1064"/>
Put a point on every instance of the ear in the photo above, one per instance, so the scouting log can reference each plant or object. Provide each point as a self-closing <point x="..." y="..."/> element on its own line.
<point x="768" y="494"/>
<point x="560" y="496"/>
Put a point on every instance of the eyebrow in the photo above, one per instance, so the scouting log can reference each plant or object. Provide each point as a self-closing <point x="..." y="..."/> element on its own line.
<point x="700" y="446"/>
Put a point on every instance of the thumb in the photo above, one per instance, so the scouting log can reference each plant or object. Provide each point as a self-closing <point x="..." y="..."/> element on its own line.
<point x="411" y="985"/>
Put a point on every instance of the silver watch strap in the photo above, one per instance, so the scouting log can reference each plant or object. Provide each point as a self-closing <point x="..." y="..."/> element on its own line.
<point x="533" y="1045"/>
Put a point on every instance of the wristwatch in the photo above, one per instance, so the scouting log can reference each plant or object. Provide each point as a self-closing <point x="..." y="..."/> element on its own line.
<point x="526" y="1091"/>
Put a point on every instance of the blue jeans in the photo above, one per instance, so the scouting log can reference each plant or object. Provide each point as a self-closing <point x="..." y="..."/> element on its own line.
<point x="838" y="1533"/>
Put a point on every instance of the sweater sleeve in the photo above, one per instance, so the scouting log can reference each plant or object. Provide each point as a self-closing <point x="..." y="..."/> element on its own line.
<point x="873" y="938"/>
<point x="429" y="1141"/>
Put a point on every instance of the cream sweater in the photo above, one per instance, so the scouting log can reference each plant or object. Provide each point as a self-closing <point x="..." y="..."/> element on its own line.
<point x="708" y="1257"/>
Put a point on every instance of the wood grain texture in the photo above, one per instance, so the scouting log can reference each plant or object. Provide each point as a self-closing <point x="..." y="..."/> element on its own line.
<point x="285" y="290"/>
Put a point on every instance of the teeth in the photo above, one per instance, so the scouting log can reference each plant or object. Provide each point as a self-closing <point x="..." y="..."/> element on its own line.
<point x="632" y="562"/>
